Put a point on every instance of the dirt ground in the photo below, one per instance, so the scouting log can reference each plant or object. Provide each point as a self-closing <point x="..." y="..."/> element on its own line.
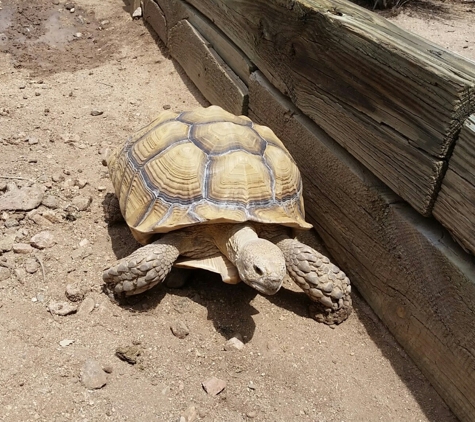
<point x="73" y="81"/>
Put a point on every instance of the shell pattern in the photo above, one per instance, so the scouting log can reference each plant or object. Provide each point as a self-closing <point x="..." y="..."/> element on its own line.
<point x="205" y="166"/>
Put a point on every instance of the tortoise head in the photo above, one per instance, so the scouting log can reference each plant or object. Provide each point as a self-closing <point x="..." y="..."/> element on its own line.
<point x="261" y="265"/>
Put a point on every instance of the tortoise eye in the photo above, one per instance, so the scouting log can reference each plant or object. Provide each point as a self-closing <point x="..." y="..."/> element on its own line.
<point x="258" y="270"/>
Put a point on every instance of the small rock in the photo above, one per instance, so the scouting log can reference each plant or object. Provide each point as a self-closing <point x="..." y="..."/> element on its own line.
<point x="31" y="265"/>
<point x="81" y="202"/>
<point x="40" y="220"/>
<point x="214" y="386"/>
<point x="92" y="375"/>
<point x="51" y="216"/>
<point x="86" y="306"/>
<point x="252" y="414"/>
<point x="20" y="274"/>
<point x="55" y="2"/>
<point x="80" y="183"/>
<point x="83" y="242"/>
<point x="97" y="112"/>
<point x="137" y="13"/>
<point x="72" y="10"/>
<point x="6" y="243"/>
<point x="66" y="343"/>
<point x="108" y="368"/>
<point x="179" y="329"/>
<point x="74" y="293"/>
<point x="128" y="354"/>
<point x="23" y="199"/>
<point x="23" y="248"/>
<point x="32" y="141"/>
<point x="78" y="34"/>
<point x="42" y="240"/>
<point x="167" y="107"/>
<point x="57" y="178"/>
<point x="4" y="273"/>
<point x="50" y="201"/>
<point x="69" y="6"/>
<point x="61" y="308"/>
<point x="11" y="222"/>
<point x="234" y="343"/>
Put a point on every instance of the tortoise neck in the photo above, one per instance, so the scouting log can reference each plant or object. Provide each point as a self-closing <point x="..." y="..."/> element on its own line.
<point x="231" y="238"/>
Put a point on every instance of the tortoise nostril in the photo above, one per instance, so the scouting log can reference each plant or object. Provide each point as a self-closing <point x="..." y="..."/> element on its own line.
<point x="258" y="270"/>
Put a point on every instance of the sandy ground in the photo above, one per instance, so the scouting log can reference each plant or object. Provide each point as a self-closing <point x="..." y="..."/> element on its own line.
<point x="73" y="82"/>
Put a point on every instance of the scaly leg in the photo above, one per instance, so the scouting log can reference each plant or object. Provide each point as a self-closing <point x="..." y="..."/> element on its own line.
<point x="144" y="268"/>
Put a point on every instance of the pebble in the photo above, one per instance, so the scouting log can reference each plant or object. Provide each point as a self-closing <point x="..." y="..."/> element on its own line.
<point x="97" y="112"/>
<point x="61" y="308"/>
<point x="20" y="274"/>
<point x="40" y="220"/>
<point x="214" y="386"/>
<point x="129" y="354"/>
<point x="74" y="293"/>
<point x="6" y="243"/>
<point x="252" y="414"/>
<point x="166" y="107"/>
<point x="23" y="248"/>
<point x="58" y="177"/>
<point x="66" y="343"/>
<point x="23" y="199"/>
<point x="4" y="274"/>
<point x="51" y="216"/>
<point x="108" y="368"/>
<point x="92" y="375"/>
<point x="11" y="222"/>
<point x="137" y="13"/>
<point x="31" y="265"/>
<point x="81" y="202"/>
<point x="179" y="329"/>
<point x="86" y="306"/>
<point x="42" y="240"/>
<point x="234" y="343"/>
<point x="69" y="6"/>
<point x="50" y="201"/>
<point x="80" y="183"/>
<point x="32" y="141"/>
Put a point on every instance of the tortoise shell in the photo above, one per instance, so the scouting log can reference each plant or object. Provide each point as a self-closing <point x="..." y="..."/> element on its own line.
<point x="205" y="166"/>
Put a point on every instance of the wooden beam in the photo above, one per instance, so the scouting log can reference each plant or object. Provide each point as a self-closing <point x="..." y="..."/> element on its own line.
<point x="455" y="205"/>
<point x="216" y="81"/>
<point x="177" y="10"/>
<point x="415" y="278"/>
<point x="154" y="15"/>
<point x="390" y="98"/>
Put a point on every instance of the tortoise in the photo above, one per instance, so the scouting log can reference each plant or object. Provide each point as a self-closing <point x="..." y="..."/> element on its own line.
<point x="208" y="189"/>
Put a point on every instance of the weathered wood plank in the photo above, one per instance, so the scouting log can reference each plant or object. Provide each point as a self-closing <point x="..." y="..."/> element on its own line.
<point x="455" y="205"/>
<point x="216" y="81"/>
<point x="384" y="94"/>
<point x="177" y="10"/>
<point x="414" y="277"/>
<point x="156" y="18"/>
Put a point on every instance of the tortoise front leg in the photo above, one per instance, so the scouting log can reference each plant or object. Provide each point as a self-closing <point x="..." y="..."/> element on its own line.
<point x="322" y="281"/>
<point x="144" y="268"/>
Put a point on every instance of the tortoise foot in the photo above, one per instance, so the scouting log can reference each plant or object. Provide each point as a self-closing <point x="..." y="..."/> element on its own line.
<point x="321" y="280"/>
<point x="140" y="271"/>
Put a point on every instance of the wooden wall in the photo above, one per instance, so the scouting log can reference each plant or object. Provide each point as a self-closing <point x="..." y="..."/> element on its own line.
<point x="382" y="125"/>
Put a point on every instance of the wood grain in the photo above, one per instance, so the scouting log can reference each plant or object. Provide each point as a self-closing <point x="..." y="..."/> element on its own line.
<point x="216" y="81"/>
<point x="392" y="99"/>
<point x="415" y="278"/>
<point x="455" y="205"/>
<point x="156" y="18"/>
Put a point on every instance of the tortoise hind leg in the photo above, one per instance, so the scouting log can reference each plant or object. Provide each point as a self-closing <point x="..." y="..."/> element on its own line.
<point x="322" y="281"/>
<point x="143" y="269"/>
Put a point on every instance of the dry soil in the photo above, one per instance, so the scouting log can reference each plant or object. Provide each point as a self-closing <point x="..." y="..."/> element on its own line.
<point x="72" y="82"/>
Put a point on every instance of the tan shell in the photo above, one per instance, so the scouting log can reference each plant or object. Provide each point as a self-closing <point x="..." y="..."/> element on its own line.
<point x="205" y="166"/>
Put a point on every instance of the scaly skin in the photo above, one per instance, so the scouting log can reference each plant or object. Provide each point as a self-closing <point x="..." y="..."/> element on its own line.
<point x="322" y="281"/>
<point x="143" y="269"/>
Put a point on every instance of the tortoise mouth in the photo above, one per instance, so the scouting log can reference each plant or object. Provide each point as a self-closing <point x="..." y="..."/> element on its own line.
<point x="266" y="287"/>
